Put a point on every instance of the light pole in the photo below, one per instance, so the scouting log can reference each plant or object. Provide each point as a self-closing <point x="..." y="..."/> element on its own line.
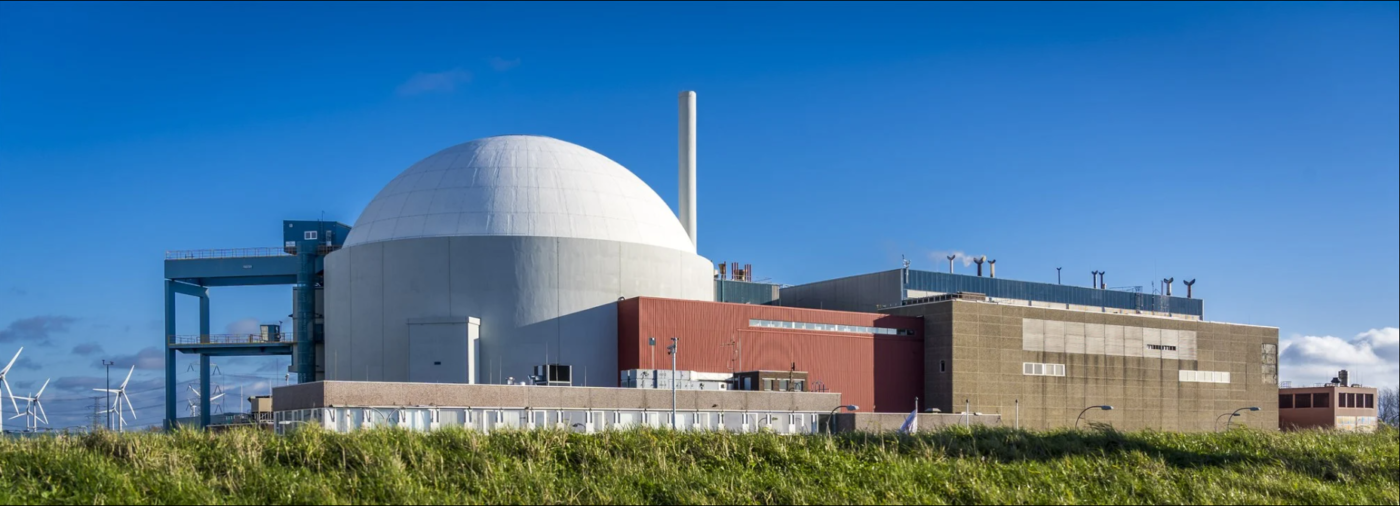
<point x="1216" y="426"/>
<point x="831" y="420"/>
<point x="1237" y="413"/>
<point x="673" y="350"/>
<point x="1086" y="410"/>
<point x="651" y="343"/>
<point x="108" y="364"/>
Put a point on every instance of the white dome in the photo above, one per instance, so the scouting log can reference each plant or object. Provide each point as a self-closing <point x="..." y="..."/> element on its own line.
<point x="521" y="185"/>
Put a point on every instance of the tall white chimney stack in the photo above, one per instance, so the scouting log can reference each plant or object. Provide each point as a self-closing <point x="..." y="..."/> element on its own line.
<point x="687" y="163"/>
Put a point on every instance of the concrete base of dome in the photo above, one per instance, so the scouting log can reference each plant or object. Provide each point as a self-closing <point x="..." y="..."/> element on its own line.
<point x="539" y="300"/>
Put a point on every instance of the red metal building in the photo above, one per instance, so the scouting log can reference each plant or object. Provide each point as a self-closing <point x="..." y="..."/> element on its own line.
<point x="875" y="361"/>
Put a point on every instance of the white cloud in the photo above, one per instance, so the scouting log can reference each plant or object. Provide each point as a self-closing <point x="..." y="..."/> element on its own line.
<point x="1371" y="358"/>
<point x="245" y="326"/>
<point x="425" y="82"/>
<point x="502" y="64"/>
<point x="148" y="359"/>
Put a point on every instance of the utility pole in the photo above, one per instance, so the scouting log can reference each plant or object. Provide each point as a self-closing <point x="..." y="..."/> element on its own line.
<point x="673" y="349"/>
<point x="96" y="412"/>
<point x="108" y="364"/>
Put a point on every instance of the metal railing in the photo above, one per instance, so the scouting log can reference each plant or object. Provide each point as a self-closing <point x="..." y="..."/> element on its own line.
<point x="217" y="339"/>
<point x="199" y="254"/>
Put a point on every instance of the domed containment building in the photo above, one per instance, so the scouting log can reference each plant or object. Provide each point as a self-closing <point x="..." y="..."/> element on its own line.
<point x="491" y="257"/>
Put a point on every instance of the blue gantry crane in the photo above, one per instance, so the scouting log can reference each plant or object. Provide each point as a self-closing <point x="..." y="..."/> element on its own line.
<point x="299" y="262"/>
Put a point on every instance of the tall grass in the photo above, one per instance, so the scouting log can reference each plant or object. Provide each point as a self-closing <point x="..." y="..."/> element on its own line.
<point x="958" y="465"/>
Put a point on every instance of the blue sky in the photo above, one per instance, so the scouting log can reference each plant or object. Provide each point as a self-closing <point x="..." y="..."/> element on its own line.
<point x="1250" y="146"/>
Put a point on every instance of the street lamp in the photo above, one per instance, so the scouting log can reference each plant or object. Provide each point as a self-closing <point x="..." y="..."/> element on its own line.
<point x="1216" y="426"/>
<point x="672" y="350"/>
<point x="1086" y="410"/>
<point x="831" y="420"/>
<point x="108" y="364"/>
<point x="1237" y="413"/>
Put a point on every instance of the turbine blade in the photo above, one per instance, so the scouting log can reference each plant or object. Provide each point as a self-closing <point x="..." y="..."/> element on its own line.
<point x="128" y="377"/>
<point x="12" y="362"/>
<point x="129" y="406"/>
<point x="41" y="389"/>
<point x="6" y="382"/>
<point x="42" y="415"/>
<point x="216" y="397"/>
<point x="17" y="416"/>
<point x="108" y="390"/>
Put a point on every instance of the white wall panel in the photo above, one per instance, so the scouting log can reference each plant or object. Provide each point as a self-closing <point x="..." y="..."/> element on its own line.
<point x="1094" y="339"/>
<point x="1054" y="336"/>
<point x="1074" y="338"/>
<point x="1032" y="334"/>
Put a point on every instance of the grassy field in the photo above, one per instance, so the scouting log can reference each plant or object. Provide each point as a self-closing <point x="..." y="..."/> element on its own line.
<point x="958" y="465"/>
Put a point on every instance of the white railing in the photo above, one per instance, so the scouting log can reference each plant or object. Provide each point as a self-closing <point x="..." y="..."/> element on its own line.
<point x="568" y="419"/>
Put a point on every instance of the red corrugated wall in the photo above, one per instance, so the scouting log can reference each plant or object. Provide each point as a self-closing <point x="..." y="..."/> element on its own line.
<point x="880" y="373"/>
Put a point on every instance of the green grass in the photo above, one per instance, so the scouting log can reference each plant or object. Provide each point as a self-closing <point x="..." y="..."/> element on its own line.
<point x="958" y="465"/>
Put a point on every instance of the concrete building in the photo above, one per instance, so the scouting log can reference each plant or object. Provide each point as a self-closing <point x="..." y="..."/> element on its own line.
<point x="874" y="360"/>
<point x="1040" y="367"/>
<point x="1331" y="406"/>
<point x="491" y="257"/>
<point x="488" y="259"/>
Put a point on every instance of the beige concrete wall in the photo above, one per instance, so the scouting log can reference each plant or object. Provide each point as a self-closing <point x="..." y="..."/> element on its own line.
<point x="888" y="422"/>
<point x="385" y="394"/>
<point x="986" y="344"/>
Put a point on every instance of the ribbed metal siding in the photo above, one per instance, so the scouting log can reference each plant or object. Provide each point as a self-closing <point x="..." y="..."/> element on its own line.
<point x="855" y="365"/>
<point x="866" y="292"/>
<point x="1045" y="292"/>
<point x="745" y="292"/>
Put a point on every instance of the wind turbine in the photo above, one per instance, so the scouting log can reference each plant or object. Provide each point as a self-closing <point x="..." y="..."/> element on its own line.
<point x="121" y="395"/>
<point x="194" y="402"/>
<point x="34" y="410"/>
<point x="3" y="373"/>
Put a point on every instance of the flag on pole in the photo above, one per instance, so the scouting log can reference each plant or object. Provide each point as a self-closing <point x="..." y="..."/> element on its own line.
<point x="911" y="424"/>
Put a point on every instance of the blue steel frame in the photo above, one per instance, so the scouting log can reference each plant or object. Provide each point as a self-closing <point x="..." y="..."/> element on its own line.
<point x="193" y="275"/>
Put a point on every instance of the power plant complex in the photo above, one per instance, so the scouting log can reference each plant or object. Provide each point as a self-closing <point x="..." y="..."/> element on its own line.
<point x="524" y="281"/>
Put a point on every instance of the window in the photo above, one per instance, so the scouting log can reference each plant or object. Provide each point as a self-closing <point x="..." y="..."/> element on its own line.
<point x="782" y="385"/>
<point x="1302" y="401"/>
<point x="1033" y="369"/>
<point x="1321" y="400"/>
<point x="1161" y="347"/>
<point x="1203" y="376"/>
<point x="309" y="235"/>
<point x="830" y="327"/>
<point x="1370" y="401"/>
<point x="768" y="385"/>
<point x="942" y="366"/>
<point x="1285" y="401"/>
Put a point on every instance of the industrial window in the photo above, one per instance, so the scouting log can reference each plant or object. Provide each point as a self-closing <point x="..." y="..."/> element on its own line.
<point x="309" y="235"/>
<point x="782" y="385"/>
<point x="1034" y="369"/>
<point x="1302" y="401"/>
<point x="1285" y="401"/>
<point x="829" y="327"/>
<point x="768" y="384"/>
<point x="942" y="366"/>
<point x="1204" y="376"/>
<point x="1321" y="400"/>
<point x="1370" y="401"/>
<point x="1161" y="347"/>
